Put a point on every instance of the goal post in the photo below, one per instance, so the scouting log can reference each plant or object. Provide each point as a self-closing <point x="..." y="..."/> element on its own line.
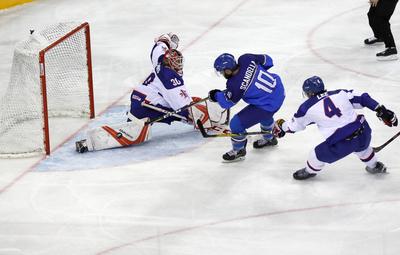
<point x="42" y="62"/>
<point x="51" y="76"/>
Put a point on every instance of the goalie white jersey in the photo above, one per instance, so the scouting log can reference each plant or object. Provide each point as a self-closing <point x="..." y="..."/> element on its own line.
<point x="163" y="86"/>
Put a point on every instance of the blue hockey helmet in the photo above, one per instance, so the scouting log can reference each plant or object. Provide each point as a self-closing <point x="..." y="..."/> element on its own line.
<point x="313" y="86"/>
<point x="224" y="61"/>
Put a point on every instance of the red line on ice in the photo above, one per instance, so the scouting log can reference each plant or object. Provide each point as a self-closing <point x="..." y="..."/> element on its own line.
<point x="331" y="62"/>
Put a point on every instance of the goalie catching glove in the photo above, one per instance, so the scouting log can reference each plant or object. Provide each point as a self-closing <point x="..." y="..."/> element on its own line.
<point x="387" y="116"/>
<point x="171" y="39"/>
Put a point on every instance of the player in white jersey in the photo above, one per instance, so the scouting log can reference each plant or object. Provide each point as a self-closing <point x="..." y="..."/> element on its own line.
<point x="344" y="130"/>
<point x="162" y="91"/>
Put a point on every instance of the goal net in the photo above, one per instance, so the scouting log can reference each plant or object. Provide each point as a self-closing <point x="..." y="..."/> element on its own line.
<point x="51" y="76"/>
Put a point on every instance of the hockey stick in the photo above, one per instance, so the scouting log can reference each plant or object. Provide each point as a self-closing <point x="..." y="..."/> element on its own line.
<point x="379" y="148"/>
<point x="153" y="107"/>
<point x="169" y="114"/>
<point x="206" y="135"/>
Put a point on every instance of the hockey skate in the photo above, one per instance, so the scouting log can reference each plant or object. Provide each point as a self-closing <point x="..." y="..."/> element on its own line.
<point x="81" y="146"/>
<point x="379" y="168"/>
<point x="302" y="174"/>
<point x="261" y="143"/>
<point x="233" y="156"/>
<point x="373" y="41"/>
<point x="388" y="54"/>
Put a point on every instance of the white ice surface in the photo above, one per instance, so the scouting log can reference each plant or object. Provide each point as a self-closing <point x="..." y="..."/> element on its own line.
<point x="190" y="202"/>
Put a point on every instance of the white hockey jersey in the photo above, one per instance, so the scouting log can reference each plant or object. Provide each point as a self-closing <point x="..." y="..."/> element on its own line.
<point x="333" y="112"/>
<point x="164" y="86"/>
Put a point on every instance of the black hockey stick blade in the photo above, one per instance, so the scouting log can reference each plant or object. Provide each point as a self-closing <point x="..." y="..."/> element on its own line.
<point x="201" y="128"/>
<point x="379" y="148"/>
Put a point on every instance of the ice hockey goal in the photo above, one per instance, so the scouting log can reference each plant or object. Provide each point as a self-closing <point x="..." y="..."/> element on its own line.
<point x="51" y="76"/>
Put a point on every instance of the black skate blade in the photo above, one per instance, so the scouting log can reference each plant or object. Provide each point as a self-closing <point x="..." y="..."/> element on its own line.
<point x="234" y="160"/>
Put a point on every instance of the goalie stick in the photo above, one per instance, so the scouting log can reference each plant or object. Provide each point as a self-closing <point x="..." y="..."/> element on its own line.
<point x="150" y="106"/>
<point x="206" y="135"/>
<point x="379" y="148"/>
<point x="169" y="114"/>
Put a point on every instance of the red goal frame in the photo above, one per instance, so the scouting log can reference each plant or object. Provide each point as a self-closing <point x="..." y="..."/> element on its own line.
<point x="42" y="64"/>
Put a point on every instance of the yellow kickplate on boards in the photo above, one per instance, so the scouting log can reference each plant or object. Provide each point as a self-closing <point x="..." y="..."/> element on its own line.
<point x="10" y="3"/>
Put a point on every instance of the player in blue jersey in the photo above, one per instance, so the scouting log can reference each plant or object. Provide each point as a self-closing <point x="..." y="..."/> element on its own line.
<point x="249" y="79"/>
<point x="344" y="130"/>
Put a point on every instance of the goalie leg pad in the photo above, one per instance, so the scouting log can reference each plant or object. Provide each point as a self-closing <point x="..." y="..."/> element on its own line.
<point x="211" y="115"/>
<point x="218" y="115"/>
<point x="119" y="135"/>
<point x="200" y="112"/>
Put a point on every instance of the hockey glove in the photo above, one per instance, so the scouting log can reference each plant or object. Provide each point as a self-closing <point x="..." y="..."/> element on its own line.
<point x="171" y="39"/>
<point x="278" y="130"/>
<point x="387" y="116"/>
<point x="212" y="95"/>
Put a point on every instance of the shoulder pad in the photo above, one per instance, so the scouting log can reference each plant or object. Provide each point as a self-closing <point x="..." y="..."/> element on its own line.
<point x="245" y="57"/>
<point x="333" y="92"/>
<point x="304" y="107"/>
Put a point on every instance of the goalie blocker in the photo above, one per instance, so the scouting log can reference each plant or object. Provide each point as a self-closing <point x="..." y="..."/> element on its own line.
<point x="138" y="130"/>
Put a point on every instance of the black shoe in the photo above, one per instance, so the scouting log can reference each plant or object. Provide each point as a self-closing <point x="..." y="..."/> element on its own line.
<point x="388" y="54"/>
<point x="379" y="168"/>
<point x="373" y="41"/>
<point x="302" y="174"/>
<point x="261" y="143"/>
<point x="232" y="156"/>
<point x="81" y="146"/>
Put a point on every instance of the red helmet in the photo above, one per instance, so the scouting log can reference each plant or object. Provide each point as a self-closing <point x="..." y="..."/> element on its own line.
<point x="174" y="59"/>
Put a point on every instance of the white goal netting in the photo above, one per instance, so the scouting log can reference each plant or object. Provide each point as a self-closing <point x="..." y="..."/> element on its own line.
<point x="65" y="74"/>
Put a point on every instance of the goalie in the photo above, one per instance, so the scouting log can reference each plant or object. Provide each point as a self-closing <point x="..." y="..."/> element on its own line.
<point x="161" y="93"/>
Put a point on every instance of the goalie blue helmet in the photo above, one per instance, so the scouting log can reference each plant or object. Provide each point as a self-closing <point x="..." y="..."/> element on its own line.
<point x="224" y="61"/>
<point x="313" y="85"/>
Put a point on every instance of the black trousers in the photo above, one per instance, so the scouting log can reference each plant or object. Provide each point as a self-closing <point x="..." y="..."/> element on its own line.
<point x="379" y="17"/>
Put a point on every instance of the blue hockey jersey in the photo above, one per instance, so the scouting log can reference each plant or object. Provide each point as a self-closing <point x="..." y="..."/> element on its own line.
<point x="254" y="84"/>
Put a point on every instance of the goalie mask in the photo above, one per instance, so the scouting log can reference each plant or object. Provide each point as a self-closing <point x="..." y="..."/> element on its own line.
<point x="172" y="40"/>
<point x="174" y="60"/>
